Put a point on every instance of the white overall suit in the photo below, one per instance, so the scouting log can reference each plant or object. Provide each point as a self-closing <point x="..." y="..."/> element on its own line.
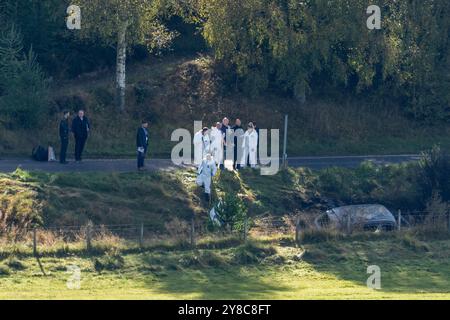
<point x="250" y="148"/>
<point x="217" y="145"/>
<point x="206" y="171"/>
<point x="202" y="146"/>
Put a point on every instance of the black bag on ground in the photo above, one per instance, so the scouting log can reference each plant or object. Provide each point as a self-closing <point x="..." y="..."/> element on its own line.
<point x="40" y="153"/>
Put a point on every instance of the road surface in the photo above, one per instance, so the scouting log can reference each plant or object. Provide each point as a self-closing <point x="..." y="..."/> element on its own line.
<point x="129" y="165"/>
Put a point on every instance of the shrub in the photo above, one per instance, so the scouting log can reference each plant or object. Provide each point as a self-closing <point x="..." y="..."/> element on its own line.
<point x="434" y="173"/>
<point x="232" y="212"/>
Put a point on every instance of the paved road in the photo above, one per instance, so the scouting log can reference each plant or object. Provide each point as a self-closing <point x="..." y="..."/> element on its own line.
<point x="129" y="165"/>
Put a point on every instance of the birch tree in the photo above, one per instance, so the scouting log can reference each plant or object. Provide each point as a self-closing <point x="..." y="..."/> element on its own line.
<point x="122" y="23"/>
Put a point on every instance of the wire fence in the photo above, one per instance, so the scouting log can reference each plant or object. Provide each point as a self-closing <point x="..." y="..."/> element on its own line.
<point x="196" y="232"/>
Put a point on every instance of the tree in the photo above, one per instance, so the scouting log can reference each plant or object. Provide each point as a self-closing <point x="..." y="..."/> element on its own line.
<point x="232" y="212"/>
<point x="123" y="23"/>
<point x="20" y="73"/>
<point x="301" y="46"/>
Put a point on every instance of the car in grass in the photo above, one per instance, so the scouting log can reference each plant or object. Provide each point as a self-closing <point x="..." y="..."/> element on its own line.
<point x="366" y="217"/>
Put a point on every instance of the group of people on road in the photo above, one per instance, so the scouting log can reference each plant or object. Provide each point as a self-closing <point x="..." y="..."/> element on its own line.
<point x="242" y="150"/>
<point x="80" y="128"/>
<point x="212" y="147"/>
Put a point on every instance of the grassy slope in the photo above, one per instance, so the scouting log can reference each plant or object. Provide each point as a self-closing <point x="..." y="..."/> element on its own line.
<point x="329" y="270"/>
<point x="153" y="198"/>
<point x="174" y="92"/>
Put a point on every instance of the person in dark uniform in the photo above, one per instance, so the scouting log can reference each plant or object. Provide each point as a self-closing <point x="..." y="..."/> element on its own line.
<point x="80" y="129"/>
<point x="225" y="127"/>
<point x="142" y="139"/>
<point x="64" y="130"/>
<point x="238" y="132"/>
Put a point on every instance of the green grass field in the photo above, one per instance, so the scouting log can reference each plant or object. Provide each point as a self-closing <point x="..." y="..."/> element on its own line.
<point x="328" y="270"/>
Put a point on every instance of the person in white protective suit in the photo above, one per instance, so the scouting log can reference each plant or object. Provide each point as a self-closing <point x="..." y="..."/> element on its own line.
<point x="206" y="172"/>
<point x="250" y="147"/>
<point x="217" y="143"/>
<point x="201" y="146"/>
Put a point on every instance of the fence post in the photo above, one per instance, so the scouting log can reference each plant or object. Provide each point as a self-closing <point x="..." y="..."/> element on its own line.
<point x="284" y="163"/>
<point x="89" y="236"/>
<point x="35" y="253"/>
<point x="192" y="232"/>
<point x="399" y="220"/>
<point x="141" y="236"/>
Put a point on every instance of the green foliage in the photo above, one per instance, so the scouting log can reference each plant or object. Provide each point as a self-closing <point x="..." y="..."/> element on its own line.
<point x="304" y="46"/>
<point x="232" y="212"/>
<point x="395" y="186"/>
<point x="434" y="173"/>
<point x="141" y="19"/>
<point x="23" y="86"/>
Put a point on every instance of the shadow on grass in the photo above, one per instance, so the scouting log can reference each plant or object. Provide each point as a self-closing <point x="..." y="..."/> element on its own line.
<point x="404" y="268"/>
<point x="181" y="275"/>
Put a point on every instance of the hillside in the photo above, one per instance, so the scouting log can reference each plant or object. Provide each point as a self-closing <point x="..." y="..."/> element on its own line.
<point x="173" y="92"/>
<point x="156" y="198"/>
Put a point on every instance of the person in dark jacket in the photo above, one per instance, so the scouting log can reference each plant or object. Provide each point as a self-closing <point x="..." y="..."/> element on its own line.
<point x="64" y="130"/>
<point x="224" y="128"/>
<point x="80" y="129"/>
<point x="142" y="139"/>
<point x="238" y="142"/>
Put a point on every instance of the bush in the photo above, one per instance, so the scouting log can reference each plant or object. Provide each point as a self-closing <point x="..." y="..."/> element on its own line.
<point x="232" y="212"/>
<point x="434" y="173"/>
